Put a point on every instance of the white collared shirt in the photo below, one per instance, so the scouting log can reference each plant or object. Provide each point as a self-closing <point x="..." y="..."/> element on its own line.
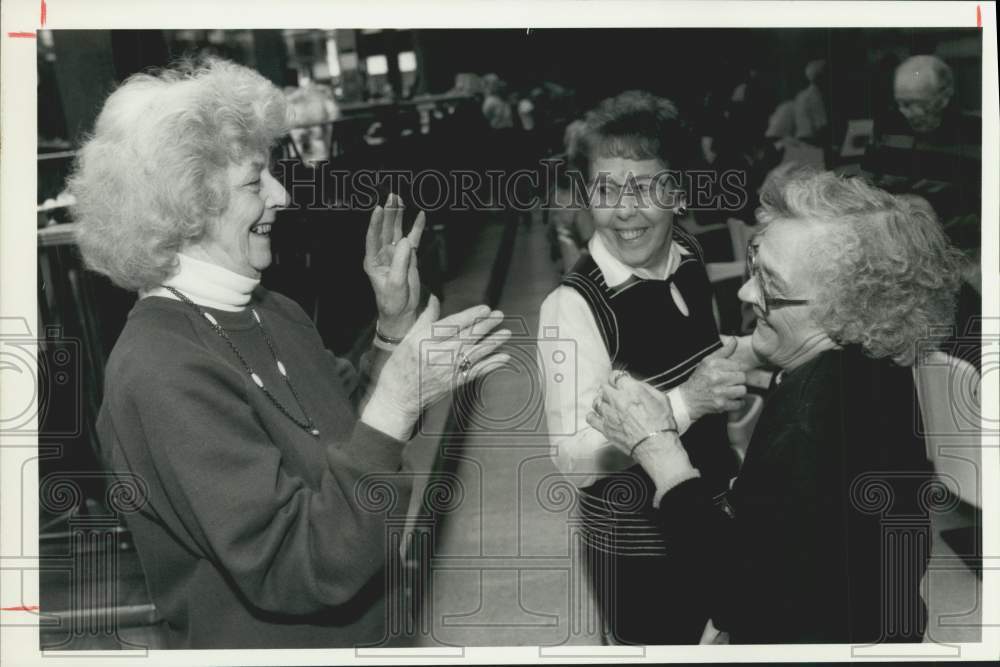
<point x="566" y="325"/>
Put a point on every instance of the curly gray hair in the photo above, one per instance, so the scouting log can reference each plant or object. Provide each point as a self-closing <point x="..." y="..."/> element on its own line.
<point x="152" y="175"/>
<point x="888" y="275"/>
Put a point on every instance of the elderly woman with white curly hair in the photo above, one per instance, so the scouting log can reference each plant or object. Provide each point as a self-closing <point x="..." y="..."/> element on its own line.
<point x="825" y="536"/>
<point x="219" y="394"/>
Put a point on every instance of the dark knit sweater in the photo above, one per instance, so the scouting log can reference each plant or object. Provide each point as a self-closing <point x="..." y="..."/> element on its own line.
<point x="254" y="533"/>
<point x="831" y="533"/>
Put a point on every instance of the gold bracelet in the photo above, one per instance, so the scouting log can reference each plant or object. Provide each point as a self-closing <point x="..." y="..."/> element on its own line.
<point x="631" y="452"/>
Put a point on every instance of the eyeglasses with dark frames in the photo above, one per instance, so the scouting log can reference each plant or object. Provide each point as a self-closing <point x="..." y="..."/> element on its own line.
<point x="768" y="301"/>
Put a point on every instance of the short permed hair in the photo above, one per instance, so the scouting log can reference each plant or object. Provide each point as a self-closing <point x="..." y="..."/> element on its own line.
<point x="152" y="174"/>
<point x="888" y="276"/>
<point x="636" y="125"/>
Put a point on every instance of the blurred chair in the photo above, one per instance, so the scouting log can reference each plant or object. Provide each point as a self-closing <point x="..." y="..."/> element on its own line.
<point x="728" y="277"/>
<point x="948" y="390"/>
<point x="741" y="233"/>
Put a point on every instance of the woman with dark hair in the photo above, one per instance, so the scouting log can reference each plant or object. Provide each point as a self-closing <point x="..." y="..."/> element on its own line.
<point x="827" y="532"/>
<point x="640" y="301"/>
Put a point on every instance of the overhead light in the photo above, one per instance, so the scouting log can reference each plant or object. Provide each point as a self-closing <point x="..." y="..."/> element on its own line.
<point x="407" y="61"/>
<point x="377" y="65"/>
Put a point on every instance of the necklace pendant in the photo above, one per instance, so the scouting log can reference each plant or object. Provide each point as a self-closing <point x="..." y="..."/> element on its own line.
<point x="253" y="376"/>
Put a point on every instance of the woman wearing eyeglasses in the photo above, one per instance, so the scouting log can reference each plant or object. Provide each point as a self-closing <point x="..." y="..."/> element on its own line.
<point x="638" y="300"/>
<point x="826" y="534"/>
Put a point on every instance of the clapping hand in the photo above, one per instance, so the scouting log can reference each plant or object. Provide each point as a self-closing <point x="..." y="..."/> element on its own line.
<point x="391" y="265"/>
<point x="438" y="355"/>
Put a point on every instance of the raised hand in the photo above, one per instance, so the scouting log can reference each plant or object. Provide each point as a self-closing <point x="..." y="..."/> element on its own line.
<point x="391" y="265"/>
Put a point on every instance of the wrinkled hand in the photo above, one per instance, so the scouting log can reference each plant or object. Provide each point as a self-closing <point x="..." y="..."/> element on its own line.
<point x="718" y="383"/>
<point x="427" y="365"/>
<point x="627" y="410"/>
<point x="391" y="265"/>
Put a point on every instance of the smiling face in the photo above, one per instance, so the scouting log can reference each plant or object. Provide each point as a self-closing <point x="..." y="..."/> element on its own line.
<point x="239" y="239"/>
<point x="633" y="219"/>
<point x="787" y="335"/>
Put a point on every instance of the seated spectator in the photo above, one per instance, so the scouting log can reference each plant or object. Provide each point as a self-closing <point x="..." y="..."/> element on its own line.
<point x="924" y="89"/>
<point x="312" y="110"/>
<point x="928" y="147"/>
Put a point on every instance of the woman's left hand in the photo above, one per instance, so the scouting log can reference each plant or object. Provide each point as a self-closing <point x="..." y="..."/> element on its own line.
<point x="391" y="265"/>
<point x="627" y="410"/>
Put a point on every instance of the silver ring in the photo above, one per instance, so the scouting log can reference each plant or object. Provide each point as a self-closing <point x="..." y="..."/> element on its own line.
<point x="465" y="364"/>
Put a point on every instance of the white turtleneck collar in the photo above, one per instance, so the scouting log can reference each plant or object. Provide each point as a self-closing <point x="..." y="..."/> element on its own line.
<point x="208" y="285"/>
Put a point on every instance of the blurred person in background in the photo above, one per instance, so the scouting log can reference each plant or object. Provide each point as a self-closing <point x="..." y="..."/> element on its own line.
<point x="467" y="84"/>
<point x="810" y="105"/>
<point x="496" y="106"/>
<point x="571" y="225"/>
<point x="313" y="109"/>
<point x="923" y="88"/>
<point x="927" y="146"/>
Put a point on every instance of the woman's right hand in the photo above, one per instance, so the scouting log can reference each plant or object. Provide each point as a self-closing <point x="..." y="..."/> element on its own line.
<point x="718" y="383"/>
<point x="435" y="358"/>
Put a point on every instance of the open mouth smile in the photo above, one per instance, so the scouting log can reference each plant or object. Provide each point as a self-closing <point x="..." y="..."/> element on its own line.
<point x="261" y="229"/>
<point x="629" y="235"/>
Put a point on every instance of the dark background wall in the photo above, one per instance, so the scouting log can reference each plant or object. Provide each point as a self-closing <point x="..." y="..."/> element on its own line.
<point x="691" y="66"/>
<point x="683" y="63"/>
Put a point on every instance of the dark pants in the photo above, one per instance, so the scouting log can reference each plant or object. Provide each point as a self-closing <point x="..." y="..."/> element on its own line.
<point x="646" y="594"/>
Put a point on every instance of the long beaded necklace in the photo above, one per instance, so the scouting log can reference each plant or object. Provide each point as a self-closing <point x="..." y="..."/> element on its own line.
<point x="308" y="425"/>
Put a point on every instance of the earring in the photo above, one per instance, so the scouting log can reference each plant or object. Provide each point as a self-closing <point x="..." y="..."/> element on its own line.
<point x="680" y="203"/>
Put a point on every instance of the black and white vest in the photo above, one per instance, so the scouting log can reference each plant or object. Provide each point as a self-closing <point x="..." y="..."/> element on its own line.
<point x="646" y="334"/>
